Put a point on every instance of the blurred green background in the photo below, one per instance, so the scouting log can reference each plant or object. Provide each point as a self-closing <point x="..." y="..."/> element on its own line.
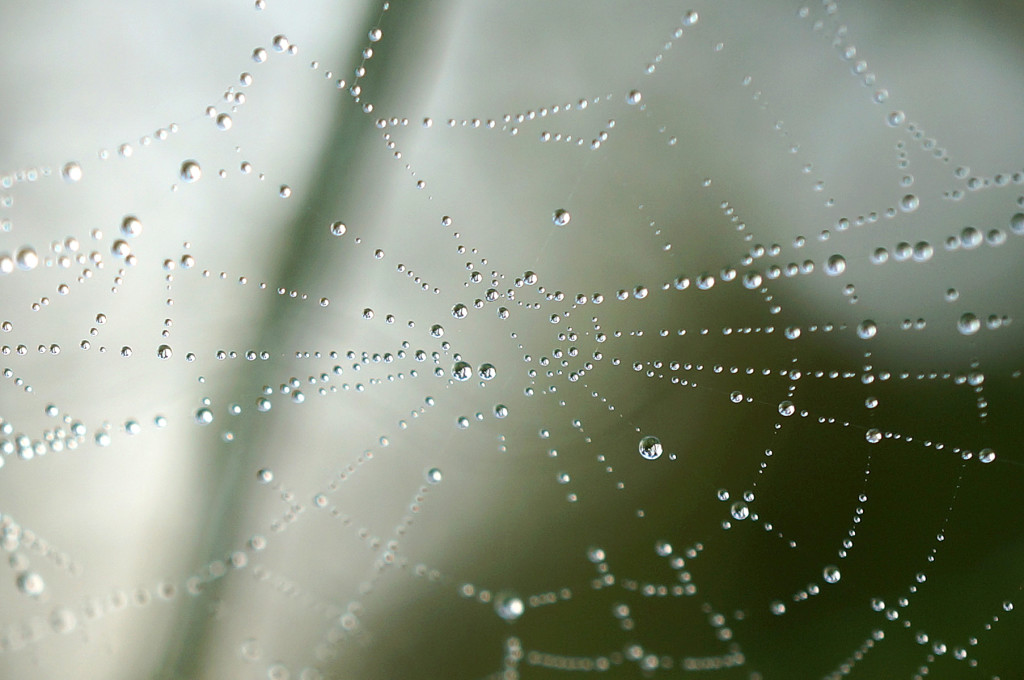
<point x="311" y="539"/>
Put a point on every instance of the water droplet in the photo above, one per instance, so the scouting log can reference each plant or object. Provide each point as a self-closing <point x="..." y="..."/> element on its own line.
<point x="487" y="371"/>
<point x="367" y="313"/>
<point x="224" y="122"/>
<point x="462" y="371"/>
<point x="831" y="574"/>
<point x="190" y="171"/>
<point x="968" y="324"/>
<point x="164" y="352"/>
<point x="26" y="259"/>
<point x="634" y="97"/>
<point x="131" y="226"/>
<point x="867" y="329"/>
<point x="778" y="607"/>
<point x="909" y="203"/>
<point x="434" y="475"/>
<point x="873" y="436"/>
<point x="786" y="408"/>
<point x="71" y="172"/>
<point x="650" y="447"/>
<point x="265" y="476"/>
<point x="986" y="455"/>
<point x="509" y="606"/>
<point x="375" y="35"/>
<point x="739" y="511"/>
<point x="204" y="416"/>
<point x="690" y="18"/>
<point x="500" y="411"/>
<point x="338" y="228"/>
<point x="1017" y="223"/>
<point x="31" y="583"/>
<point x="63" y="620"/>
<point x="460" y="311"/>
<point x="836" y="265"/>
<point x="896" y="118"/>
<point x="561" y="217"/>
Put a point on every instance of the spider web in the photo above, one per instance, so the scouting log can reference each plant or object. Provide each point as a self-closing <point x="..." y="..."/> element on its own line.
<point x="499" y="341"/>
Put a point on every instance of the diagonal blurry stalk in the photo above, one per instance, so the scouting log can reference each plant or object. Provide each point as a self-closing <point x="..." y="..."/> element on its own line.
<point x="226" y="485"/>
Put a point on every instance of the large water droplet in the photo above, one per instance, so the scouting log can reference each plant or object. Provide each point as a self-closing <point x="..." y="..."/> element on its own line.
<point x="831" y="574"/>
<point x="867" y="329"/>
<point x="650" y="447"/>
<point x="27" y="259"/>
<point x="561" y="217"/>
<point x="968" y="324"/>
<point x="836" y="265"/>
<point x="71" y="172"/>
<point x="190" y="171"/>
<point x="509" y="606"/>
<point x="31" y="583"/>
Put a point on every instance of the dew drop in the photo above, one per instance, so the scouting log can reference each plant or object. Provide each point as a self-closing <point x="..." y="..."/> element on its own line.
<point x="1017" y="223"/>
<point x="836" y="265"/>
<point x="31" y="583"/>
<point x="462" y="371"/>
<point x="71" y="172"/>
<point x="26" y="259"/>
<point x="338" y="228"/>
<point x="634" y="97"/>
<point x="561" y="217"/>
<point x="509" y="606"/>
<point x="265" y="476"/>
<point x="434" y="475"/>
<point x="190" y="171"/>
<point x="909" y="203"/>
<point x="867" y="329"/>
<point x="204" y="416"/>
<point x="968" y="324"/>
<point x="690" y="18"/>
<point x="131" y="226"/>
<point x="650" y="447"/>
<point x="164" y="352"/>
<point x="831" y="574"/>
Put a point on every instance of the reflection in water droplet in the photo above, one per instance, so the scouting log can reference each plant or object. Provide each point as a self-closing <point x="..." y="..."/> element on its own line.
<point x="831" y="574"/>
<point x="71" y="172"/>
<point x="190" y="171"/>
<point x="509" y="606"/>
<point x="968" y="324"/>
<point x="650" y="447"/>
<point x="867" y="329"/>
